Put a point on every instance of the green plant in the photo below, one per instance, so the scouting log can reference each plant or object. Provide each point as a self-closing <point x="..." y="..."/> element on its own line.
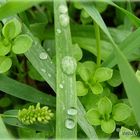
<point x="35" y="114"/>
<point x="12" y="42"/>
<point x="78" y="50"/>
<point x="107" y="115"/>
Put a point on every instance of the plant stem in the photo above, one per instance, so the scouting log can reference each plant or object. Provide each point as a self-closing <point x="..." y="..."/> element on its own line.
<point x="98" y="45"/>
<point x="8" y="116"/>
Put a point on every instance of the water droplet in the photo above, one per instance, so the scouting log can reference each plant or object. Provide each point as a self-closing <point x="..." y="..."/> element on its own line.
<point x="48" y="49"/>
<point x="69" y="123"/>
<point x="35" y="43"/>
<point x="118" y="129"/>
<point x="49" y="74"/>
<point x="58" y="31"/>
<point x="63" y="9"/>
<point x="69" y="65"/>
<point x="72" y="111"/>
<point x="64" y="20"/>
<point x="43" y="70"/>
<point x="43" y="55"/>
<point x="61" y="86"/>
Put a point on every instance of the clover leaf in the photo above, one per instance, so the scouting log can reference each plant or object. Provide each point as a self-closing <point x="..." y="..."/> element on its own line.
<point x="121" y="112"/>
<point x="11" y="29"/>
<point x="110" y="95"/>
<point x="90" y="66"/>
<point x="93" y="117"/>
<point x="77" y="52"/>
<point x="81" y="89"/>
<point x="83" y="72"/>
<point x="4" y="48"/>
<point x="86" y="70"/>
<point x="22" y="43"/>
<point x="108" y="126"/>
<point x="5" y="64"/>
<point x="116" y="79"/>
<point x="96" y="88"/>
<point x="104" y="106"/>
<point x="103" y="74"/>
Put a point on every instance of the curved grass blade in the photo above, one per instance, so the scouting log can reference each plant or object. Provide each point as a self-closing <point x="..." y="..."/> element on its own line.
<point x="25" y="92"/>
<point x="127" y="47"/>
<point x="88" y="43"/>
<point x="4" y="134"/>
<point x="133" y="18"/>
<point x="11" y="7"/>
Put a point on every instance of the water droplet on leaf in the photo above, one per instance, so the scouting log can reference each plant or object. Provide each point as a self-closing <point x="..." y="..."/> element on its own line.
<point x="72" y="111"/>
<point x="61" y="86"/>
<point x="43" y="70"/>
<point x="69" y="124"/>
<point x="64" y="20"/>
<point x="63" y="9"/>
<point x="43" y="56"/>
<point x="58" y="31"/>
<point x="49" y="74"/>
<point x="69" y="65"/>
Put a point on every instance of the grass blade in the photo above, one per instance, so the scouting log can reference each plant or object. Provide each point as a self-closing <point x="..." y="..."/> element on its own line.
<point x="46" y="69"/>
<point x="134" y="19"/>
<point x="125" y="68"/>
<point x="88" y="43"/>
<point x="25" y="92"/>
<point x="66" y="93"/>
<point x="3" y="131"/>
<point x="11" y="8"/>
<point x="127" y="47"/>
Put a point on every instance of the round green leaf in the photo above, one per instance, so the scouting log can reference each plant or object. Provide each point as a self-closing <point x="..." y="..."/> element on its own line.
<point x="113" y="97"/>
<point x="90" y="100"/>
<point x="77" y="52"/>
<point x="83" y="72"/>
<point x="11" y="29"/>
<point x="81" y="89"/>
<point x="4" y="49"/>
<point x="93" y="117"/>
<point x="104" y="106"/>
<point x="116" y="79"/>
<point x="103" y="74"/>
<point x="96" y="88"/>
<point x="84" y="14"/>
<point x="121" y="111"/>
<point x="5" y="64"/>
<point x="78" y="5"/>
<point x="90" y="66"/>
<point x="108" y="126"/>
<point x="22" y="44"/>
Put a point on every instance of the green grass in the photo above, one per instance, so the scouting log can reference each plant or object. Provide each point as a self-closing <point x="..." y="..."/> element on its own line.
<point x="69" y="44"/>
